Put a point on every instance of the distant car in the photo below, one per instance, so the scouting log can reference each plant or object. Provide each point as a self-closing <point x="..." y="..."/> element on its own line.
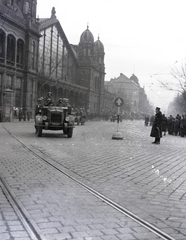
<point x="54" y="118"/>
<point x="114" y="117"/>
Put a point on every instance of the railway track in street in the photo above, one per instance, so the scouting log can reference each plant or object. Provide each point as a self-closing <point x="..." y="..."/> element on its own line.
<point x="30" y="225"/>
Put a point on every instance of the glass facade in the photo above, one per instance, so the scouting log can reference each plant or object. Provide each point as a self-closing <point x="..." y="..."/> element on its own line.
<point x="52" y="54"/>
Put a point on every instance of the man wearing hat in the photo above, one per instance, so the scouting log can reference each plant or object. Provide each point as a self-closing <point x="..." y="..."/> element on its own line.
<point x="156" y="130"/>
<point x="49" y="101"/>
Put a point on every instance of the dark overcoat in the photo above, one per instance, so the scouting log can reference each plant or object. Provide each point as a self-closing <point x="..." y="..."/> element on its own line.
<point x="164" y="124"/>
<point x="156" y="130"/>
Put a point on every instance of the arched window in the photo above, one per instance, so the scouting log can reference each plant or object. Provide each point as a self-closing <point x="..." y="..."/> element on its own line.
<point x="88" y="52"/>
<point x="2" y="45"/>
<point x="11" y="49"/>
<point x="84" y="51"/>
<point x="20" y="53"/>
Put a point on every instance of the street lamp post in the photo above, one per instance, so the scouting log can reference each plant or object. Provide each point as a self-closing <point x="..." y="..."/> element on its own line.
<point x="8" y="105"/>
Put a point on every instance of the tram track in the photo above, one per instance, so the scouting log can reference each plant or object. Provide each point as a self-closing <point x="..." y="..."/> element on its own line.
<point x="29" y="225"/>
<point x="32" y="227"/>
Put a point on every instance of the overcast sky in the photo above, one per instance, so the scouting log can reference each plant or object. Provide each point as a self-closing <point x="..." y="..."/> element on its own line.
<point x="144" y="37"/>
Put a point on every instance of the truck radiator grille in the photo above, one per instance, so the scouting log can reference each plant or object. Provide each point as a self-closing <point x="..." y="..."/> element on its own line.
<point x="56" y="117"/>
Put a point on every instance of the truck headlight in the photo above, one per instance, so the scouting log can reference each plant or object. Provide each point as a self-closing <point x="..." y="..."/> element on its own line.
<point x="44" y="118"/>
<point x="67" y="118"/>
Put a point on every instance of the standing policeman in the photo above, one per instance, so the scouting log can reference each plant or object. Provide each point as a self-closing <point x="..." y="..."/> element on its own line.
<point x="156" y="130"/>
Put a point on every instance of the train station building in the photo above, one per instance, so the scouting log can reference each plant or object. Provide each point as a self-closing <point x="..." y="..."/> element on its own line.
<point x="36" y="57"/>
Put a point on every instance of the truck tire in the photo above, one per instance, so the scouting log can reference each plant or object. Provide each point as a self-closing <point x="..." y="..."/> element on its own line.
<point x="70" y="132"/>
<point x="39" y="132"/>
<point x="65" y="131"/>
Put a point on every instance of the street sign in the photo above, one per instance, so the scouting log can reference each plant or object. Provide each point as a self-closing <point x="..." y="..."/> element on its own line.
<point x="118" y="102"/>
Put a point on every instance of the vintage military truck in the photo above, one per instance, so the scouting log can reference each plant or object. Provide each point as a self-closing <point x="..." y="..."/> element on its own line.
<point x="54" y="118"/>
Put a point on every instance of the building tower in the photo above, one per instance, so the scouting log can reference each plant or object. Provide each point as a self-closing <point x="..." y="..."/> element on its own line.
<point x="100" y="66"/>
<point x="91" y="62"/>
<point x="86" y="46"/>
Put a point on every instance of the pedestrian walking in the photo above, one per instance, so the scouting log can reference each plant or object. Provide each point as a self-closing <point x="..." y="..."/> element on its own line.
<point x="170" y="124"/>
<point x="20" y="114"/>
<point x="28" y="114"/>
<point x="147" y="118"/>
<point x="182" y="123"/>
<point x="178" y="117"/>
<point x="176" y="126"/>
<point x="164" y="124"/>
<point x="156" y="130"/>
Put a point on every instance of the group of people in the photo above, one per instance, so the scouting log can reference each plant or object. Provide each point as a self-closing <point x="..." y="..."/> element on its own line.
<point x="162" y="124"/>
<point x="22" y="114"/>
<point x="48" y="101"/>
<point x="174" y="125"/>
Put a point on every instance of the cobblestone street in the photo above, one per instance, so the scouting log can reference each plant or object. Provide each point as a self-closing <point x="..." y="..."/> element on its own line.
<point x="148" y="180"/>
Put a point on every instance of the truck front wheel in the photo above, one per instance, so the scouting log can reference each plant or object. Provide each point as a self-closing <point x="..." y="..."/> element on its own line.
<point x="39" y="132"/>
<point x="70" y="132"/>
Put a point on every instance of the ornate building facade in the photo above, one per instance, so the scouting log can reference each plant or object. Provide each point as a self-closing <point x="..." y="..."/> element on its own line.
<point x="134" y="96"/>
<point x="36" y="57"/>
<point x="19" y="40"/>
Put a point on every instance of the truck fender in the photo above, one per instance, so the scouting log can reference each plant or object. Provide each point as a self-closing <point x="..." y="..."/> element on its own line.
<point x="38" y="119"/>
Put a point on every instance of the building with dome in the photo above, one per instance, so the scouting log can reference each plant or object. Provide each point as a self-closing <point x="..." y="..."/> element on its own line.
<point x="36" y="57"/>
<point x="73" y="71"/>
